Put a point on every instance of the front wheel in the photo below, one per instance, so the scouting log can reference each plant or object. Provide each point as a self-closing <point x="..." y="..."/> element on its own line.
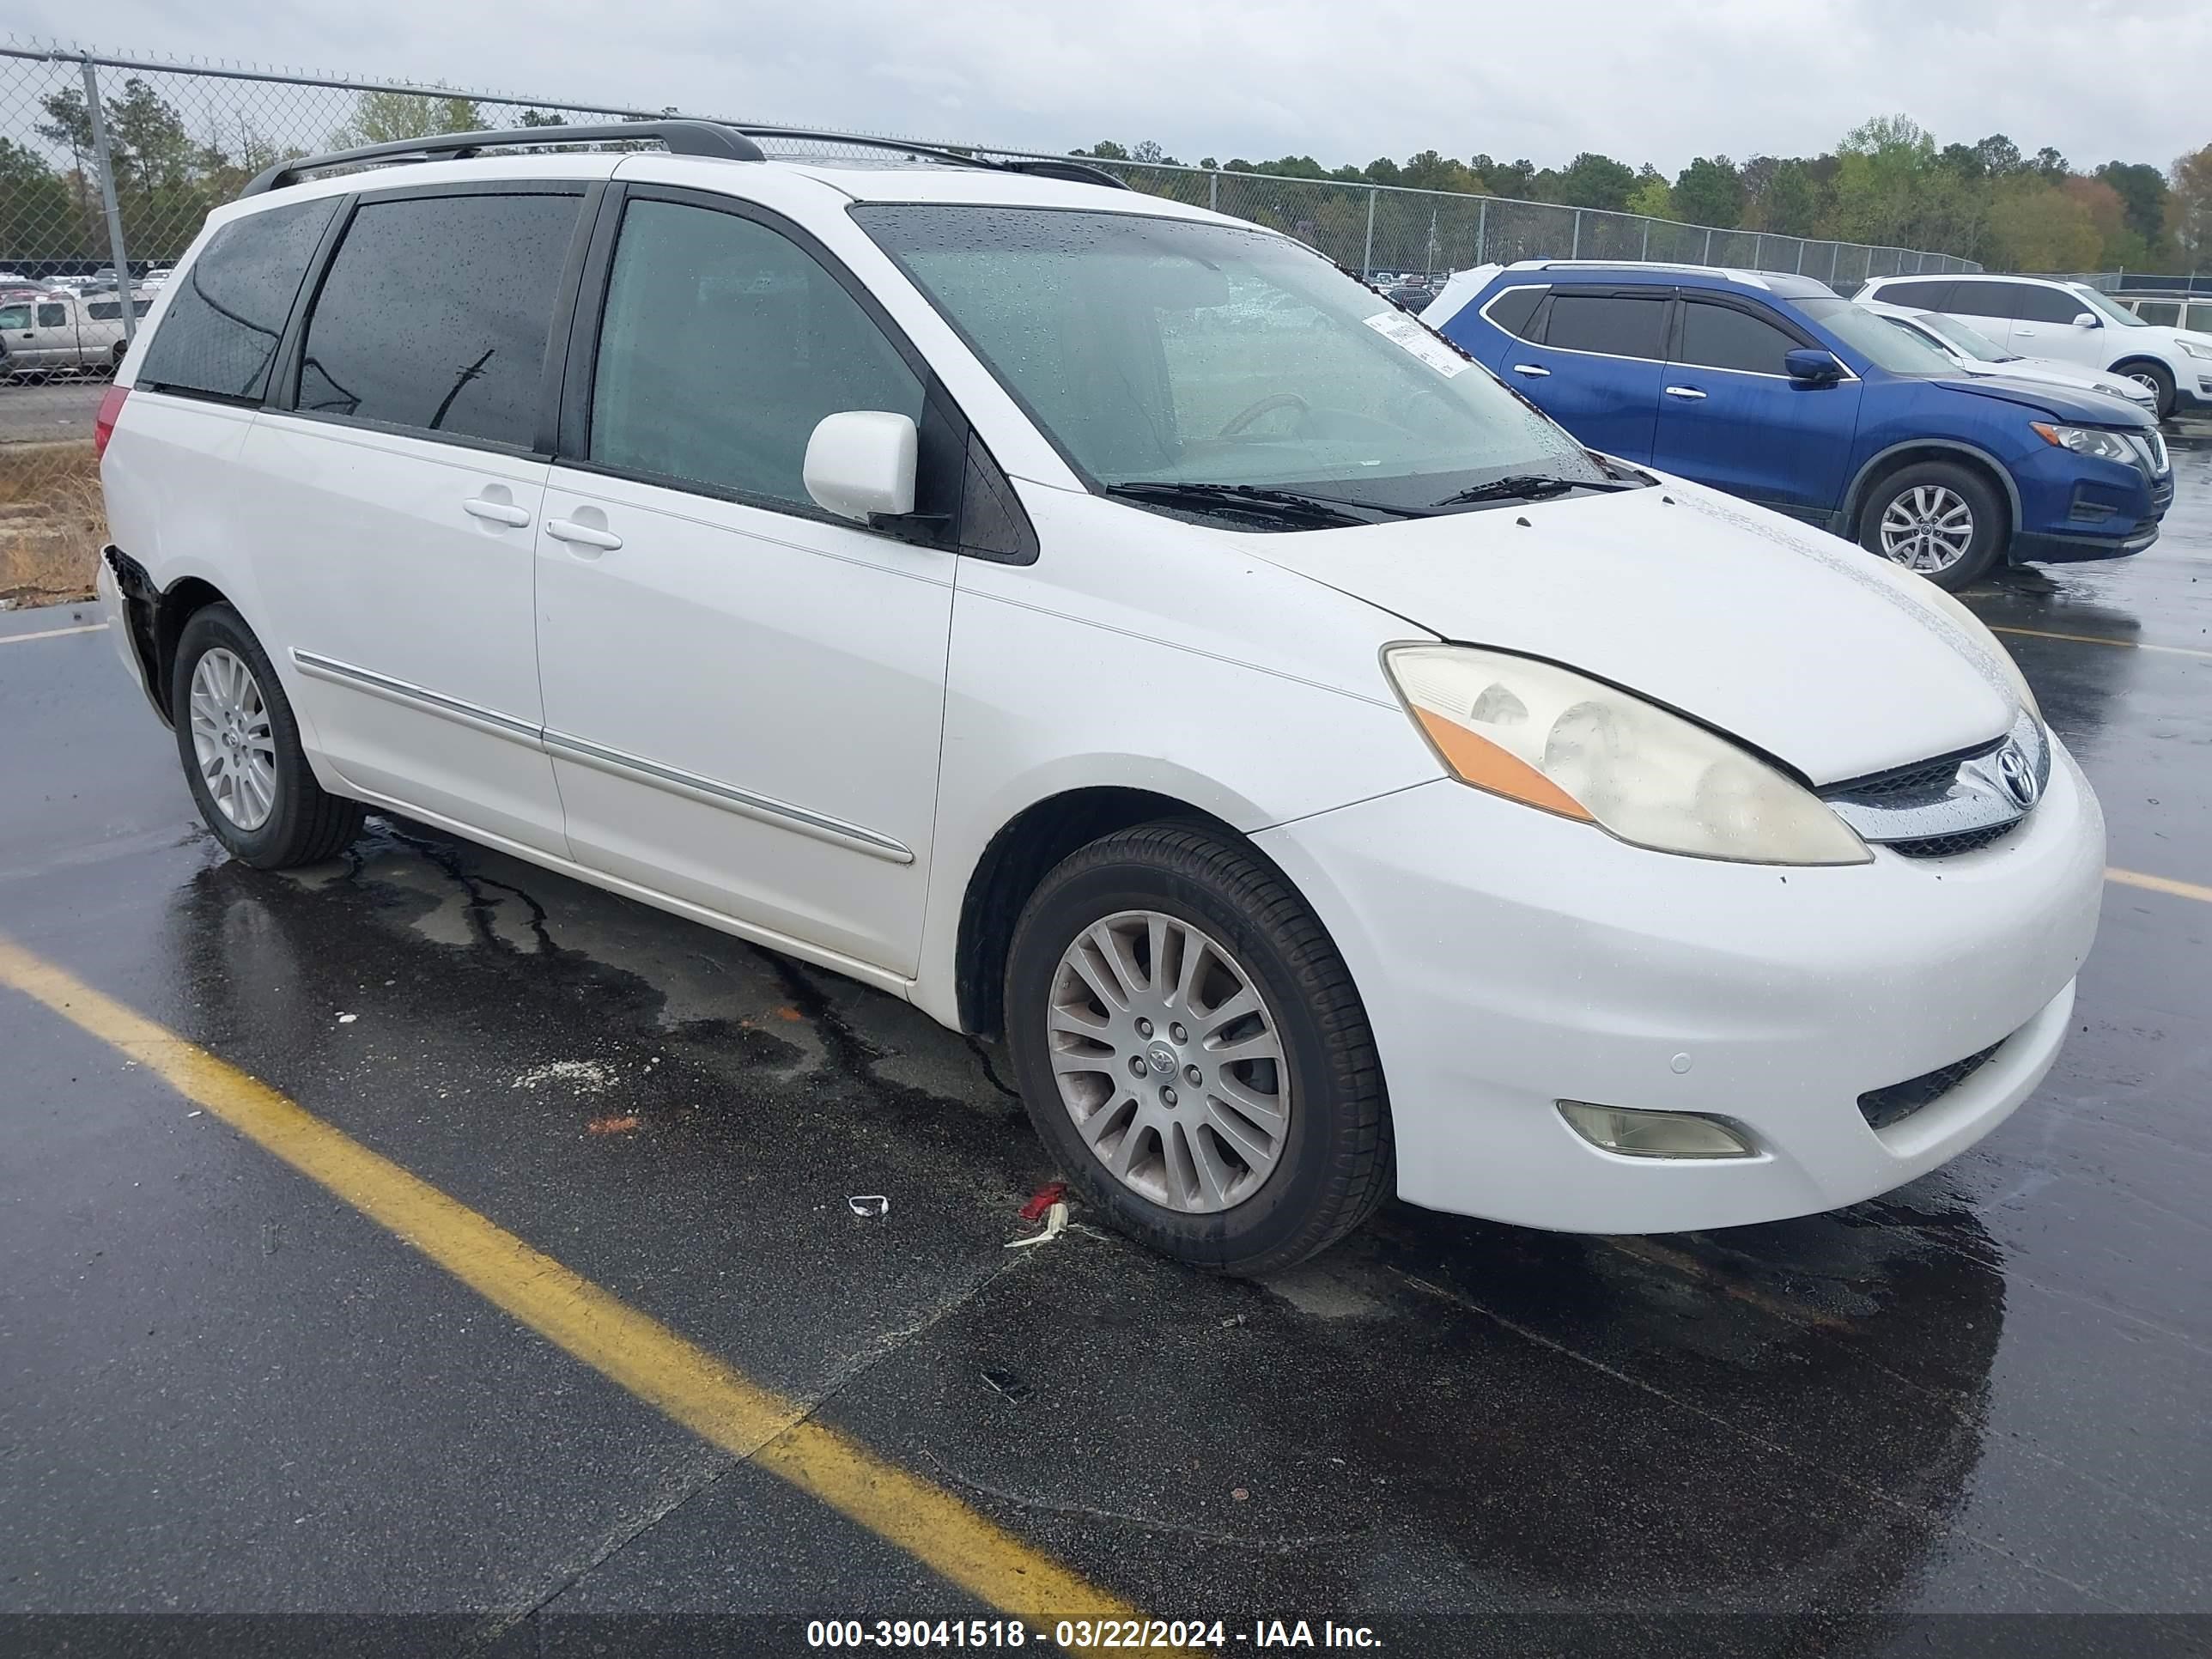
<point x="1192" y="1049"/>
<point x="240" y="747"/>
<point x="1937" y="518"/>
<point x="2160" y="383"/>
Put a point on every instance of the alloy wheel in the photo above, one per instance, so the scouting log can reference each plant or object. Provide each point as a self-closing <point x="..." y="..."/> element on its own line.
<point x="231" y="740"/>
<point x="1928" y="527"/>
<point x="1169" y="1061"/>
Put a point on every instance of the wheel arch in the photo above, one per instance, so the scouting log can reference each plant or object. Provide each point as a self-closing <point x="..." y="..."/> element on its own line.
<point x="1019" y="857"/>
<point x="156" y="618"/>
<point x="1912" y="451"/>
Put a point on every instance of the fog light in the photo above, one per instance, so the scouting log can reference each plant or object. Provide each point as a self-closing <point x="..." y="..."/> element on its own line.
<point x="1655" y="1135"/>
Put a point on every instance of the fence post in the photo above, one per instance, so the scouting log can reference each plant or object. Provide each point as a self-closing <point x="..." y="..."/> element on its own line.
<point x="1646" y="254"/>
<point x="1835" y="260"/>
<point x="1708" y="259"/>
<point x="1214" y="191"/>
<point x="1576" y="253"/>
<point x="124" y="286"/>
<point x="1801" y="256"/>
<point x="1367" y="259"/>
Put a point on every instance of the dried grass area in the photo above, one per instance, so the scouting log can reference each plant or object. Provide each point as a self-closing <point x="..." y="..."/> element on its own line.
<point x="52" y="522"/>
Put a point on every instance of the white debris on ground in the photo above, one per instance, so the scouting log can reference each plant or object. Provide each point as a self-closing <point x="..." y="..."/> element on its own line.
<point x="585" y="1076"/>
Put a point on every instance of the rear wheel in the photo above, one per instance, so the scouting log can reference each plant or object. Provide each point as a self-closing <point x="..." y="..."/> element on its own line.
<point x="2156" y="377"/>
<point x="1937" y="518"/>
<point x="1191" y="1047"/>
<point x="240" y="747"/>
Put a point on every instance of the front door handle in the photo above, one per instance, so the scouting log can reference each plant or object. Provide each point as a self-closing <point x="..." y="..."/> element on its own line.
<point x="1684" y="391"/>
<point x="567" y="530"/>
<point x="477" y="506"/>
<point x="1531" y="369"/>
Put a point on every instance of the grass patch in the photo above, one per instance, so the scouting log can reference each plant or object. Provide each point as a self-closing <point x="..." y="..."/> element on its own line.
<point x="52" y="522"/>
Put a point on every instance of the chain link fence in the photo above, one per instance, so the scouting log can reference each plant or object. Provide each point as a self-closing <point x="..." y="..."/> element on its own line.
<point x="108" y="165"/>
<point x="1372" y="228"/>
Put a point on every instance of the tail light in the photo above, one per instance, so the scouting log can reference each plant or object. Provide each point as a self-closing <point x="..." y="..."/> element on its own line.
<point x="103" y="424"/>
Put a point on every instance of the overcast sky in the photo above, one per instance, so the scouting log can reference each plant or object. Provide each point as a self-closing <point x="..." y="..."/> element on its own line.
<point x="1642" y="80"/>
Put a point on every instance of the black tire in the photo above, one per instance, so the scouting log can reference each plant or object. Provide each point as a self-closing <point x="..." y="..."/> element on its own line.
<point x="1990" y="528"/>
<point x="2160" y="381"/>
<point x="305" y="823"/>
<point x="1335" y="1166"/>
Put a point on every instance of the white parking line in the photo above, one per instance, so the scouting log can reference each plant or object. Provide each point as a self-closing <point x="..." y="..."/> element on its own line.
<point x="50" y="634"/>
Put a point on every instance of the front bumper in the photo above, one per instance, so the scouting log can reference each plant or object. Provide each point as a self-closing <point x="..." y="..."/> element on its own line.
<point x="1510" y="959"/>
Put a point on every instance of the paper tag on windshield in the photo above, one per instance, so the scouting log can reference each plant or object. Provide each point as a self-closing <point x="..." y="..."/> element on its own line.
<point x="1398" y="327"/>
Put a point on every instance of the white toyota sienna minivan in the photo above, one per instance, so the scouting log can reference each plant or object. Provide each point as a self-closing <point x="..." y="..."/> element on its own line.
<point x="1109" y="624"/>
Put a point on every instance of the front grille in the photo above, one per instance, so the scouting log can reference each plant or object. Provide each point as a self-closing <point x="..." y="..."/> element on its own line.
<point x="1928" y="781"/>
<point x="1944" y="846"/>
<point x="1881" y="1108"/>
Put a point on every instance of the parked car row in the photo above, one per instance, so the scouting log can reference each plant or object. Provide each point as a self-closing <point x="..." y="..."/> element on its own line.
<point x="2053" y="317"/>
<point x="1102" y="622"/>
<point x="1774" y="389"/>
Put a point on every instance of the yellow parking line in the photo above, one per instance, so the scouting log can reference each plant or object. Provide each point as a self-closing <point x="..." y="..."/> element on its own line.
<point x="50" y="634"/>
<point x="706" y="1396"/>
<point x="2187" y="889"/>
<point x="2100" y="639"/>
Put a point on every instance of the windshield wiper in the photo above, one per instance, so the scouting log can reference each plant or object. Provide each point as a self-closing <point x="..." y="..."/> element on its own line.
<point x="1318" y="510"/>
<point x="1528" y="487"/>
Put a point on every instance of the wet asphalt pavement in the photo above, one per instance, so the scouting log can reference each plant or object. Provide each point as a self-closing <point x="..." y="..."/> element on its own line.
<point x="223" y="1391"/>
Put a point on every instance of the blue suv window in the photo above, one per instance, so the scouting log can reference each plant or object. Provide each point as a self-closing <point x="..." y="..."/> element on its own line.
<point x="1514" y="309"/>
<point x="1615" y="325"/>
<point x="1722" y="337"/>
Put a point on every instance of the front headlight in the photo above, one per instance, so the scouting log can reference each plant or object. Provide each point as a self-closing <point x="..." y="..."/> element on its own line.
<point x="1549" y="738"/>
<point x="2085" y="441"/>
<point x="2195" y="350"/>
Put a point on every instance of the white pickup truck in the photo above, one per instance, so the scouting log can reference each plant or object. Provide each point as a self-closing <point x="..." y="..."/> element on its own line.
<point x="59" y="329"/>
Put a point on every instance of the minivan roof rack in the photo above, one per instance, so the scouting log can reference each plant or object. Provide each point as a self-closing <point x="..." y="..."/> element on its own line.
<point x="681" y="138"/>
<point x="1039" y="166"/>
<point x="725" y="141"/>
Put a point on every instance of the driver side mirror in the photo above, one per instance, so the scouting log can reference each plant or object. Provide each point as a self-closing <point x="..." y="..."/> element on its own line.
<point x="861" y="463"/>
<point x="2087" y="319"/>
<point x="1812" y="367"/>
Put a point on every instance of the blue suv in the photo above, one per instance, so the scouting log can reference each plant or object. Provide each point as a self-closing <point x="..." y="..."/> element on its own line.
<point x="1773" y="388"/>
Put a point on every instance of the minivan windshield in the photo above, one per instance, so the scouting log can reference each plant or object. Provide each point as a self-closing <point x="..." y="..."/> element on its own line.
<point x="1159" y="351"/>
<point x="1876" y="337"/>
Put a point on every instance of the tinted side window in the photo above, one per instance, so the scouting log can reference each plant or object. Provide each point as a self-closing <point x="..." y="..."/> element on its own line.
<point x="1986" y="300"/>
<point x="1512" y="309"/>
<point x="15" y="316"/>
<point x="108" y="311"/>
<point x="2050" y="305"/>
<point x="722" y="345"/>
<point x="52" y="316"/>
<point x="2198" y="317"/>
<point x="219" y="335"/>
<point x="2166" y="312"/>
<point x="1618" y="326"/>
<point x="1721" y="337"/>
<point x="435" y="312"/>
<point x="1924" y="296"/>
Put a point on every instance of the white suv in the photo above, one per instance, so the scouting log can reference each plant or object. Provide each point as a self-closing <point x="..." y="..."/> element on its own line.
<point x="1328" y="775"/>
<point x="2049" y="317"/>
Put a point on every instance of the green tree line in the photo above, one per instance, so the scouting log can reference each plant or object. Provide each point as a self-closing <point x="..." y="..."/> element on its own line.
<point x="1886" y="183"/>
<point x="167" y="175"/>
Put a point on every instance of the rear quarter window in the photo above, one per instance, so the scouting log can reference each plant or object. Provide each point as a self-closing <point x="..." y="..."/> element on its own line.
<point x="228" y="311"/>
<point x="1513" y="310"/>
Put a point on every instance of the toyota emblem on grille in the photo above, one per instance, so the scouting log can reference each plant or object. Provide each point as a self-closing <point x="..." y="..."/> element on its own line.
<point x="2017" y="776"/>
